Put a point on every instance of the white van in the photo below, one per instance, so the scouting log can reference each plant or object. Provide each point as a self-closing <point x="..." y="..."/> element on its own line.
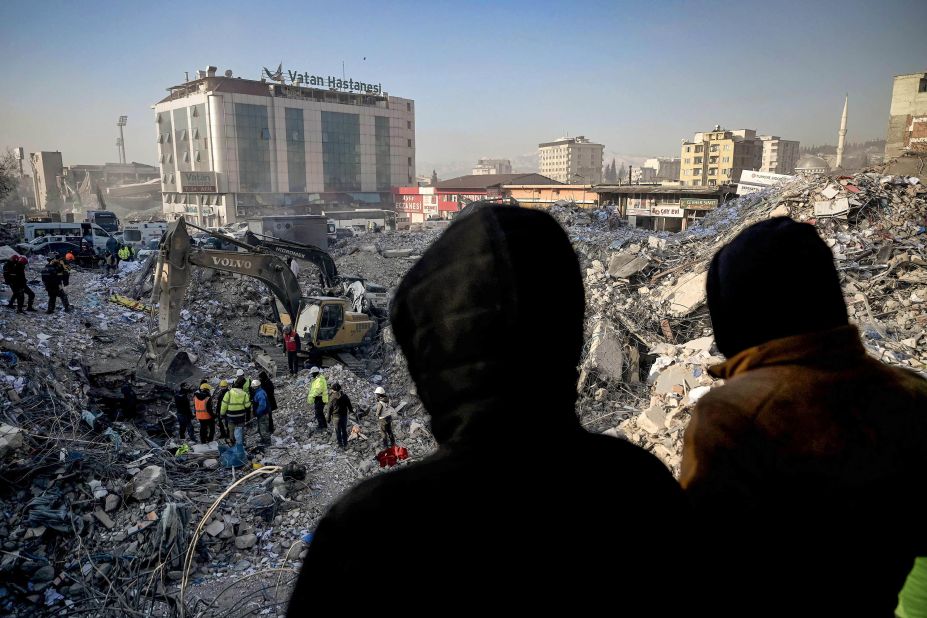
<point x="31" y="231"/>
<point x="138" y="235"/>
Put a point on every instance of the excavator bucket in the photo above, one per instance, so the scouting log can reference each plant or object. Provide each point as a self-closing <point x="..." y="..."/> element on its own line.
<point x="175" y="367"/>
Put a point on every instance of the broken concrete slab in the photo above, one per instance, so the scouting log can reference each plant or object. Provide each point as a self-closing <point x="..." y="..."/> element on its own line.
<point x="675" y="375"/>
<point x="702" y="344"/>
<point x="652" y="420"/>
<point x="146" y="483"/>
<point x="11" y="439"/>
<point x="112" y="503"/>
<point x="830" y="192"/>
<point x="605" y="356"/>
<point x="104" y="519"/>
<point x="215" y="528"/>
<point x="832" y="208"/>
<point x="687" y="295"/>
<point x="245" y="541"/>
<point x="625" y="265"/>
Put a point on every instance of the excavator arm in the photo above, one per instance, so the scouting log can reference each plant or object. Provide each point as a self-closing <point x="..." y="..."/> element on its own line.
<point x="163" y="362"/>
<point x="321" y="258"/>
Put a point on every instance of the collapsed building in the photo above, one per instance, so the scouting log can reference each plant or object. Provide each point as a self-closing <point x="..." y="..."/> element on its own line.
<point x="105" y="511"/>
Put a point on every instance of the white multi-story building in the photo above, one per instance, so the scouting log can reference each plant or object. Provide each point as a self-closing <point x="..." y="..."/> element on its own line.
<point x="485" y="167"/>
<point x="779" y="155"/>
<point x="664" y="168"/>
<point x="571" y="160"/>
<point x="232" y="148"/>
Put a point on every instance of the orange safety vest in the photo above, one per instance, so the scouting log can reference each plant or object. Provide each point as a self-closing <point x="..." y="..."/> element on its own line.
<point x="202" y="412"/>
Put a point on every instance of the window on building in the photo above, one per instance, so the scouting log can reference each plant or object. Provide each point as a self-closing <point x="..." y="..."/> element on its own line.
<point x="725" y="159"/>
<point x="409" y="143"/>
<point x="688" y="148"/>
<point x="922" y="86"/>
<point x="196" y="132"/>
<point x="198" y="158"/>
<point x="698" y="148"/>
<point x="186" y="157"/>
<point x="698" y="159"/>
<point x="408" y="107"/>
<point x="712" y="171"/>
<point x="183" y="135"/>
<point x="712" y="160"/>
<point x="714" y="148"/>
<point x="696" y="183"/>
<point x="408" y="124"/>
<point x="265" y="133"/>
<point x="712" y="183"/>
<point x="727" y="146"/>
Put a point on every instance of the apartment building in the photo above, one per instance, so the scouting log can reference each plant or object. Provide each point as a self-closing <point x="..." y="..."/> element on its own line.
<point x="571" y="160"/>
<point x="717" y="157"/>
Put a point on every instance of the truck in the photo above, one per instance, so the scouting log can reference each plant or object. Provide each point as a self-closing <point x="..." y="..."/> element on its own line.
<point x="303" y="229"/>
<point x="104" y="218"/>
<point x="139" y="235"/>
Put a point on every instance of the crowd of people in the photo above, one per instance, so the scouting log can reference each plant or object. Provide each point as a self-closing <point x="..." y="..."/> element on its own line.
<point x="56" y="273"/>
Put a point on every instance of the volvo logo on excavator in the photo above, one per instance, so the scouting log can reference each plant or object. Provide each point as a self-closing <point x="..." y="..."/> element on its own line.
<point x="228" y="262"/>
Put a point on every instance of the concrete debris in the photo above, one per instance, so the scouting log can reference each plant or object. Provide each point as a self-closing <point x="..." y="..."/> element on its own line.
<point x="146" y="482"/>
<point x="649" y="347"/>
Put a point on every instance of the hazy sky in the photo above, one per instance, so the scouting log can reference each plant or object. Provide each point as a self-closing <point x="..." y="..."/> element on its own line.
<point x="488" y="78"/>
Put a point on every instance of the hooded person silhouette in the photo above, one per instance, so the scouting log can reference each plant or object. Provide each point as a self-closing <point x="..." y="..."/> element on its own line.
<point x="519" y="504"/>
<point x="805" y="470"/>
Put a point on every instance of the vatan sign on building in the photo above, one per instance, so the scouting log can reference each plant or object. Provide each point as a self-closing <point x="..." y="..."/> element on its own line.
<point x="751" y="182"/>
<point x="198" y="182"/>
<point x="312" y="80"/>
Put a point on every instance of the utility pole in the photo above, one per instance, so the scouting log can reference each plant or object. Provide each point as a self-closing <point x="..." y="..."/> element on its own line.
<point x="121" y="142"/>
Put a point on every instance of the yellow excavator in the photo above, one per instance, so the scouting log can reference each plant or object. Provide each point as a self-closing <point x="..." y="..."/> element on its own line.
<point x="326" y="324"/>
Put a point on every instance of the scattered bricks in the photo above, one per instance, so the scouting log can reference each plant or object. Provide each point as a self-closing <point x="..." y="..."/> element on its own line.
<point x="112" y="503"/>
<point x="215" y="528"/>
<point x="146" y="482"/>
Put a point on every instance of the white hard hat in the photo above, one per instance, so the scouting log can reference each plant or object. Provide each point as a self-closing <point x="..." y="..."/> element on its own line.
<point x="255" y="383"/>
<point x="380" y="391"/>
<point x="314" y="370"/>
<point x="240" y="373"/>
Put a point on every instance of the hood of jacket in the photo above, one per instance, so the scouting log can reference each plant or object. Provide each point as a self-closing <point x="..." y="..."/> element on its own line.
<point x="776" y="279"/>
<point x="201" y="394"/>
<point x="490" y="320"/>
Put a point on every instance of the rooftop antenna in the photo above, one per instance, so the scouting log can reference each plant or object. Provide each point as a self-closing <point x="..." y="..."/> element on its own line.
<point x="342" y="70"/>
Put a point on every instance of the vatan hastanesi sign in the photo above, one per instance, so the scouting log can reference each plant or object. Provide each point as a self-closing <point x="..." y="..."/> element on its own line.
<point x="751" y="182"/>
<point x="304" y="78"/>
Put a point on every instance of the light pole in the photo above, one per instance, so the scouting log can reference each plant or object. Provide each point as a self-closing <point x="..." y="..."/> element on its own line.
<point x="121" y="142"/>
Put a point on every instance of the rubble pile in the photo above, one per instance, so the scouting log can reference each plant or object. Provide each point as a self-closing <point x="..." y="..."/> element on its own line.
<point x="649" y="333"/>
<point x="100" y="508"/>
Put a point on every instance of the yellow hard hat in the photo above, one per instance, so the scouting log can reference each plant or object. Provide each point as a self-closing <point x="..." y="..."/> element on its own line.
<point x="206" y="386"/>
<point x="223" y="382"/>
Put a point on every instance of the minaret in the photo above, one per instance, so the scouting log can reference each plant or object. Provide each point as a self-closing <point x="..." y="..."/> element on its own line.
<point x="842" y="136"/>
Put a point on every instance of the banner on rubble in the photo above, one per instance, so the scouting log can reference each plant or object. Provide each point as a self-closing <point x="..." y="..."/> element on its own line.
<point x="751" y="182"/>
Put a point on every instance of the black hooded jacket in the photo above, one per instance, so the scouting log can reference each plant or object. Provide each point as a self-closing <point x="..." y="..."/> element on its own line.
<point x="519" y="503"/>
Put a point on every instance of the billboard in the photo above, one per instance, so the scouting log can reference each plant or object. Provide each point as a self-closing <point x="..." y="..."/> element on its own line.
<point x="751" y="182"/>
<point x="673" y="211"/>
<point x="698" y="203"/>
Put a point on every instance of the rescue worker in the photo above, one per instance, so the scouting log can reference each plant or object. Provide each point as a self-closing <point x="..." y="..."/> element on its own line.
<point x="802" y="468"/>
<point x="217" y="398"/>
<point x="518" y="501"/>
<point x="269" y="388"/>
<point x="203" y="406"/>
<point x="261" y="411"/>
<point x="318" y="396"/>
<point x="384" y="412"/>
<point x="18" y="282"/>
<point x="184" y="414"/>
<point x="52" y="275"/>
<point x="339" y="406"/>
<point x="235" y="407"/>
<point x="124" y="253"/>
<point x="9" y="277"/>
<point x="291" y="345"/>
<point x="69" y="257"/>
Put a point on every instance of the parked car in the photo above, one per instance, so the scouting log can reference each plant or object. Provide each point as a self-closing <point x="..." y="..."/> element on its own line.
<point x="58" y="247"/>
<point x="44" y="245"/>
